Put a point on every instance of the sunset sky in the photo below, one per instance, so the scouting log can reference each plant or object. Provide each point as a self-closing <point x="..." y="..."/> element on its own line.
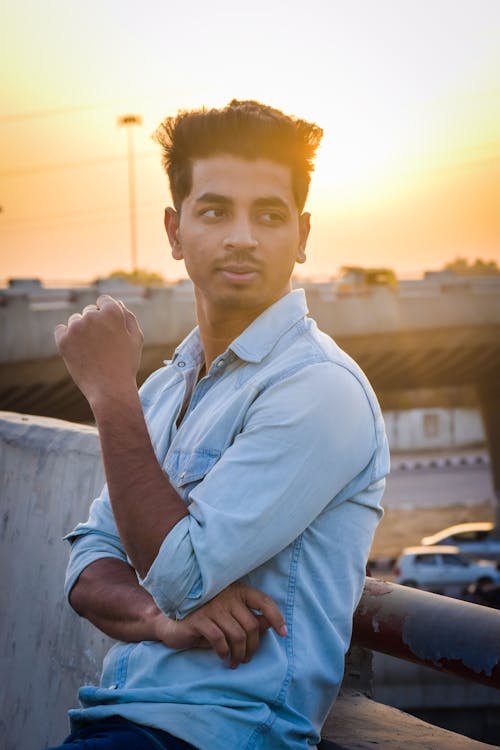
<point x="408" y="93"/>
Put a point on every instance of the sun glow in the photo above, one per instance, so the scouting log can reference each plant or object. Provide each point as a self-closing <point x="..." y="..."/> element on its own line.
<point x="408" y="96"/>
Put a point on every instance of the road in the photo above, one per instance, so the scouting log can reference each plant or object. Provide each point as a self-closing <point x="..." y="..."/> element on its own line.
<point x="427" y="492"/>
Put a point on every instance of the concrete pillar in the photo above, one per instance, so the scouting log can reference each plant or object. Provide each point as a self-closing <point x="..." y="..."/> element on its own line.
<point x="49" y="472"/>
<point x="489" y="401"/>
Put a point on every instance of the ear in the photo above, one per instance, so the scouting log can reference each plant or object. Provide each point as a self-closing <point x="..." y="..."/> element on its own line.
<point x="304" y="229"/>
<point x="171" y="222"/>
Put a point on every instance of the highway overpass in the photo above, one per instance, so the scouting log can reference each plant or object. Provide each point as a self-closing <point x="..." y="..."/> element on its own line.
<point x="417" y="336"/>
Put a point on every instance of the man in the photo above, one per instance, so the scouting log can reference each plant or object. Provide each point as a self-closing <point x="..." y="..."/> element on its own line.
<point x="243" y="485"/>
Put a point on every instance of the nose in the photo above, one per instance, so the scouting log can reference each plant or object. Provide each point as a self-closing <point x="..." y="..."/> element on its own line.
<point x="240" y="234"/>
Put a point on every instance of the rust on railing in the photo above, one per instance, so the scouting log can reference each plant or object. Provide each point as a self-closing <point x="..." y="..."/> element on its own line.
<point x="437" y="631"/>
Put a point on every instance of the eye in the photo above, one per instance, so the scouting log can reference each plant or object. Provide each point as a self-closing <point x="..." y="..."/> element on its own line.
<point x="213" y="212"/>
<point x="271" y="217"/>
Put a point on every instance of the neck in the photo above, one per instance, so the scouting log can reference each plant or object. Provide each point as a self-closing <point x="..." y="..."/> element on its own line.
<point x="219" y="326"/>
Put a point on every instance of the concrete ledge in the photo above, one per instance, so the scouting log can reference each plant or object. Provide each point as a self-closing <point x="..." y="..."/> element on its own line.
<point x="359" y="723"/>
<point x="49" y="472"/>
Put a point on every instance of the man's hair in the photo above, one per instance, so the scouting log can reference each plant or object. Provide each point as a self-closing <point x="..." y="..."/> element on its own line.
<point x="243" y="128"/>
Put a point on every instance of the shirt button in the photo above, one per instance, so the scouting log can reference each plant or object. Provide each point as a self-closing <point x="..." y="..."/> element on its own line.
<point x="181" y="363"/>
<point x="183" y="475"/>
<point x="220" y="363"/>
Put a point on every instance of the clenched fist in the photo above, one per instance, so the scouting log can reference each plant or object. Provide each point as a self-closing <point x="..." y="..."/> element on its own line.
<point x="101" y="348"/>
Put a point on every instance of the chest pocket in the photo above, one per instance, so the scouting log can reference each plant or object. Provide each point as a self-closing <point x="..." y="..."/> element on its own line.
<point x="186" y="470"/>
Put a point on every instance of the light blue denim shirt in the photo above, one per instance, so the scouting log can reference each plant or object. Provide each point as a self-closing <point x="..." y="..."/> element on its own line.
<point x="280" y="458"/>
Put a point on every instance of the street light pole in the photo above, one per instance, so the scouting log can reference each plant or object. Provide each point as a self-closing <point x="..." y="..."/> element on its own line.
<point x="129" y="121"/>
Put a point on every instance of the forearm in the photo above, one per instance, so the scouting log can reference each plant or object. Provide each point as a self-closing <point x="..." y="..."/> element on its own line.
<point x="145" y="505"/>
<point x="108" y="594"/>
<point x="101" y="348"/>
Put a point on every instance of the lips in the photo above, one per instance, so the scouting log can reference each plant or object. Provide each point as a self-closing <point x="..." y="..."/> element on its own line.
<point x="239" y="276"/>
<point x="238" y="268"/>
<point x="238" y="273"/>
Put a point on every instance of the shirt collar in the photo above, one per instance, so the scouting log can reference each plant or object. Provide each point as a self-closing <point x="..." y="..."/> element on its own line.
<point x="190" y="350"/>
<point x="259" y="338"/>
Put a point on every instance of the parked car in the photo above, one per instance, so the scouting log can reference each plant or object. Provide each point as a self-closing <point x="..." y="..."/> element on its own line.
<point x="473" y="539"/>
<point x="356" y="280"/>
<point x="486" y="594"/>
<point x="443" y="570"/>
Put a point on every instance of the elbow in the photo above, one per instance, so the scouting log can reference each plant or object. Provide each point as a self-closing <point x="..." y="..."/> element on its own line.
<point x="76" y="597"/>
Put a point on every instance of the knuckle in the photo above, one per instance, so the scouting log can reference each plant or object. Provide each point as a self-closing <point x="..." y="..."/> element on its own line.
<point x="103" y="298"/>
<point x="249" y="623"/>
<point x="213" y="633"/>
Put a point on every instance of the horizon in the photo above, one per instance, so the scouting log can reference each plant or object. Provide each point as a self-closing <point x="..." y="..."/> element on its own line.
<point x="407" y="175"/>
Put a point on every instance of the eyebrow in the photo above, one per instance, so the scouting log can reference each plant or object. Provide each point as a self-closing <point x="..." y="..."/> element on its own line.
<point x="271" y="201"/>
<point x="213" y="198"/>
<point x="264" y="201"/>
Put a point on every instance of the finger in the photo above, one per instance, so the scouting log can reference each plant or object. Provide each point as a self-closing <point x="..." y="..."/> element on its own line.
<point x="131" y="321"/>
<point x="237" y="638"/>
<point x="216" y="638"/>
<point x="90" y="308"/>
<point x="264" y="623"/>
<point x="250" y="624"/>
<point x="263" y="603"/>
<point x="73" y="317"/>
<point x="109" y="304"/>
<point x="105" y="300"/>
<point x="59" y="333"/>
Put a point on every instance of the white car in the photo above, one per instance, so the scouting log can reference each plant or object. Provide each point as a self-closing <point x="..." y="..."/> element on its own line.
<point x="443" y="570"/>
<point x="473" y="539"/>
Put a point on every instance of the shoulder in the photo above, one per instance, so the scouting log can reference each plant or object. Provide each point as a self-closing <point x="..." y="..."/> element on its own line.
<point x="319" y="394"/>
<point x="309" y="357"/>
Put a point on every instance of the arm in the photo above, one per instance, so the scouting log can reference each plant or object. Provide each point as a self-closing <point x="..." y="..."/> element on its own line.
<point x="101" y="349"/>
<point x="108" y="594"/>
<point x="306" y="446"/>
<point x="145" y="506"/>
<point x="282" y="452"/>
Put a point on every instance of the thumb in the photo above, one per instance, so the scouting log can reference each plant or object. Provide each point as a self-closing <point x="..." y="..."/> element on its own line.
<point x="131" y="322"/>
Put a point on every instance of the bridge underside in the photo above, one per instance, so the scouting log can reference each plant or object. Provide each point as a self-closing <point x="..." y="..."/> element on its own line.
<point x="43" y="387"/>
<point x="404" y="360"/>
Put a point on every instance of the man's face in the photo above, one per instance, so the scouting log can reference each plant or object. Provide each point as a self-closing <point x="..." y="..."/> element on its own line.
<point x="239" y="232"/>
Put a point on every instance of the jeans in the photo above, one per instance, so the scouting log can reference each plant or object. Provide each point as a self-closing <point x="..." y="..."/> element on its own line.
<point x="119" y="734"/>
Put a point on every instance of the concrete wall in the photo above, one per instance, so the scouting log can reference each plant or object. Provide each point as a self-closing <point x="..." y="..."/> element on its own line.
<point x="431" y="429"/>
<point x="49" y="470"/>
<point x="166" y="314"/>
<point x="27" y="321"/>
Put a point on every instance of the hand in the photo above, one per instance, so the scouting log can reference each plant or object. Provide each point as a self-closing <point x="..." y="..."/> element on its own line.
<point x="226" y="624"/>
<point x="101" y="348"/>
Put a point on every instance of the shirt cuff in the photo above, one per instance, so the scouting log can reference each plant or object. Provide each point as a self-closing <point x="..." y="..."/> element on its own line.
<point x="86" y="548"/>
<point x="174" y="579"/>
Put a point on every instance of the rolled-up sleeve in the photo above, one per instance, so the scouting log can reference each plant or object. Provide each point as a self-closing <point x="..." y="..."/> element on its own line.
<point x="305" y="438"/>
<point x="95" y="539"/>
